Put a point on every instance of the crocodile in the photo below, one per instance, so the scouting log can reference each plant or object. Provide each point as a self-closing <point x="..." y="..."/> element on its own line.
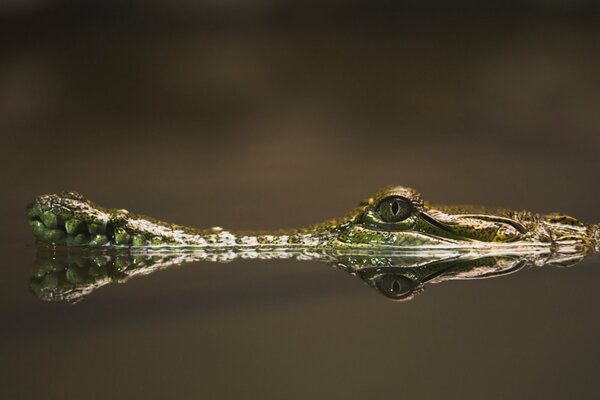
<point x="394" y="218"/>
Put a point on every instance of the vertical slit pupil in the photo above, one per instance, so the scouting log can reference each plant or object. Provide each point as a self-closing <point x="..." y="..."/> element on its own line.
<point x="395" y="286"/>
<point x="395" y="207"/>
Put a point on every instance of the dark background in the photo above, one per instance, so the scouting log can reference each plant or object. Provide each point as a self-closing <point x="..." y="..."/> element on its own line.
<point x="266" y="114"/>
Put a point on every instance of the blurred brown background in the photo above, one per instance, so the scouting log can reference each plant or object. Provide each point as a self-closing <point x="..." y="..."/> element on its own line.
<point x="266" y="114"/>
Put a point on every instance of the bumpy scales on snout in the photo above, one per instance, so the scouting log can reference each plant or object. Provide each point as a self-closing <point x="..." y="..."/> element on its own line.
<point x="395" y="218"/>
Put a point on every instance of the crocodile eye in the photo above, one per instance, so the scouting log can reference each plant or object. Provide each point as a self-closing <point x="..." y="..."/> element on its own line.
<point x="395" y="209"/>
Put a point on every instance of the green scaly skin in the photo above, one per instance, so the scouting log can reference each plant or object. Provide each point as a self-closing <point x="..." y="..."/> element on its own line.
<point x="395" y="218"/>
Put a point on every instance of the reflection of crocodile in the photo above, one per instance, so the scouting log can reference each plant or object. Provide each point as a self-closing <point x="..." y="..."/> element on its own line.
<point x="68" y="274"/>
<point x="394" y="218"/>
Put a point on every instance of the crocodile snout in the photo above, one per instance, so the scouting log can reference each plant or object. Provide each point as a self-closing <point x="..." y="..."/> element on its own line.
<point x="596" y="237"/>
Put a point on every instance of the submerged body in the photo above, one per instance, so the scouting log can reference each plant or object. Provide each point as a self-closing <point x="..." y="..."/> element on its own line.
<point x="395" y="218"/>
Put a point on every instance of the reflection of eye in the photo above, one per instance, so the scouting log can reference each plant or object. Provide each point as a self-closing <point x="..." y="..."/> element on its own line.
<point x="395" y="286"/>
<point x="394" y="209"/>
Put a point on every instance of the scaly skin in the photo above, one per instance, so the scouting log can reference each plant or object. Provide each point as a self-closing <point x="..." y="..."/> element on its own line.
<point x="395" y="218"/>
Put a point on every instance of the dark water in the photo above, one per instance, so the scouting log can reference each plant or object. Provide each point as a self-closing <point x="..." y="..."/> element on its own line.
<point x="267" y="120"/>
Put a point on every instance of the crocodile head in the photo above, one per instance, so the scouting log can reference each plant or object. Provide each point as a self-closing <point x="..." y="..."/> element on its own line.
<point x="398" y="217"/>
